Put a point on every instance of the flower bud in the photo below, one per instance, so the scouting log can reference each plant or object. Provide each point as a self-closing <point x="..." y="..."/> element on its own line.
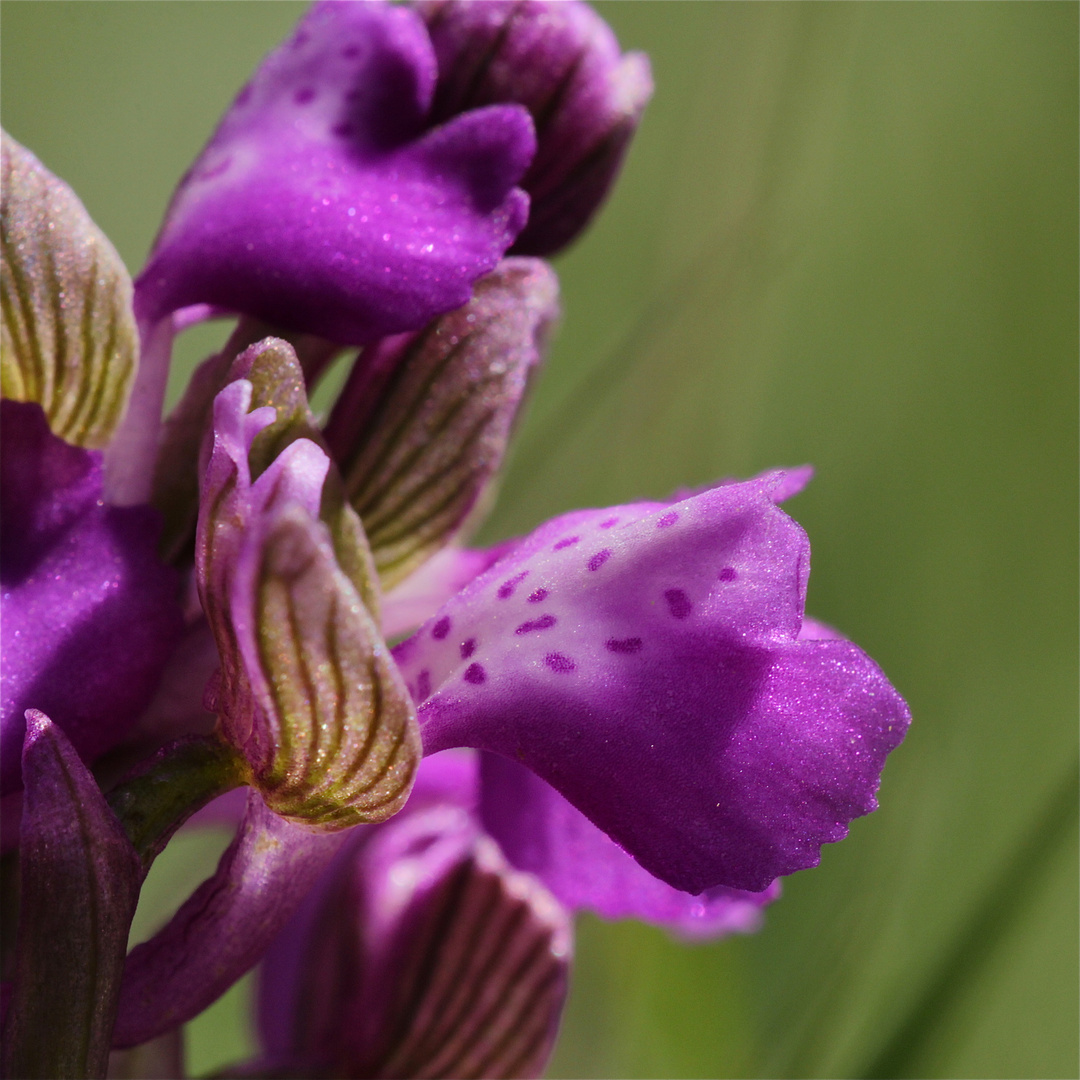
<point x="423" y="422"/>
<point x="561" y="61"/>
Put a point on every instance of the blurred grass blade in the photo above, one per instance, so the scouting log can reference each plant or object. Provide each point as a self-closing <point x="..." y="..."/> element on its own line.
<point x="1004" y="903"/>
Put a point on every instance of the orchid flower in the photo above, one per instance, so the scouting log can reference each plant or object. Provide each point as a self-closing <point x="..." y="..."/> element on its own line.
<point x="625" y="711"/>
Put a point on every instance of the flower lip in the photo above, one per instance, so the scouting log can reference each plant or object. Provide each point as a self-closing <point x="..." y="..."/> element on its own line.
<point x="324" y="202"/>
<point x="672" y="703"/>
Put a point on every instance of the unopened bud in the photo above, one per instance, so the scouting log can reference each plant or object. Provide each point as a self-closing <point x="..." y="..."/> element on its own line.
<point x="423" y="422"/>
<point x="561" y="61"/>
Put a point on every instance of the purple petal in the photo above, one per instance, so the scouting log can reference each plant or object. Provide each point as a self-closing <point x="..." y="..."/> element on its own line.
<point x="321" y="204"/>
<point x="80" y="880"/>
<point x="718" y="751"/>
<point x="422" y="593"/>
<point x="540" y="832"/>
<point x="77" y="575"/>
<point x="223" y="927"/>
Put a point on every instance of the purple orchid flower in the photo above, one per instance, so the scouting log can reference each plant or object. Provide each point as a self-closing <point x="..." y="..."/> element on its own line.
<point x="419" y="953"/>
<point x="649" y="656"/>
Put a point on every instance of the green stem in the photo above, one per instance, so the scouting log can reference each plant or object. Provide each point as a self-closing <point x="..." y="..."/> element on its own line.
<point x="179" y="779"/>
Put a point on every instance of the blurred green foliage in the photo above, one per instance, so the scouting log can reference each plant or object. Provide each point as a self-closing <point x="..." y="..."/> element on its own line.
<point x="847" y="235"/>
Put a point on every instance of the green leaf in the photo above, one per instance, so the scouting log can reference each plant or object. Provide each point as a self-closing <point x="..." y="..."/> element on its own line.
<point x="69" y="340"/>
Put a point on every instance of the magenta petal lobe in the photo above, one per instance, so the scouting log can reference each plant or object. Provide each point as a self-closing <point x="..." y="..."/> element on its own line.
<point x="679" y="712"/>
<point x="326" y="203"/>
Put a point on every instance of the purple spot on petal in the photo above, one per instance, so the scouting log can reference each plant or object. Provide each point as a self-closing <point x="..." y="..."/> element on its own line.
<point x="423" y="685"/>
<point x="350" y="52"/>
<point x="301" y="39"/>
<point x="506" y="589"/>
<point x="468" y="648"/>
<point x="599" y="559"/>
<point x="610" y="521"/>
<point x="728" y="574"/>
<point x="565" y="542"/>
<point x="623" y="645"/>
<point x="475" y="674"/>
<point x="542" y="623"/>
<point x="243" y="97"/>
<point x="678" y="603"/>
<point x="304" y="96"/>
<point x="441" y="628"/>
<point x="668" y="519"/>
<point x="342" y="131"/>
<point x="537" y="596"/>
<point x="557" y="662"/>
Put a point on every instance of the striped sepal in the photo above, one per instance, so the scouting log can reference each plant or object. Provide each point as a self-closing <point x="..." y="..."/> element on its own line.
<point x="483" y="975"/>
<point x="335" y="740"/>
<point x="424" y="421"/>
<point x="69" y="340"/>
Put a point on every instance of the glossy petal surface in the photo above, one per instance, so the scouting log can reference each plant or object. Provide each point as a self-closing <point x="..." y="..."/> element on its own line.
<point x="77" y="575"/>
<point x="324" y="204"/>
<point x="644" y="661"/>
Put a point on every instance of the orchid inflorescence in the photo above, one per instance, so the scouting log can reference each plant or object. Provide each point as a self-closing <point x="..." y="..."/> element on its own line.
<point x="624" y="712"/>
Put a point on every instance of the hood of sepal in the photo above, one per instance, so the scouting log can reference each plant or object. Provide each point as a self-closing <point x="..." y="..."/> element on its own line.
<point x="69" y="340"/>
<point x="422" y="425"/>
<point x="334" y="741"/>
<point x="79" y="884"/>
<point x="277" y="380"/>
<point x="421" y="953"/>
<point x="308" y="692"/>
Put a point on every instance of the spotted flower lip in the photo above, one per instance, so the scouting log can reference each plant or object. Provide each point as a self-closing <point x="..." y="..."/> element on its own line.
<point x="645" y="660"/>
<point x="327" y="203"/>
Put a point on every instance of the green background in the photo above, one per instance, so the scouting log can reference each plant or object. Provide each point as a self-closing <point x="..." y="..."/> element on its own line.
<point x="847" y="234"/>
